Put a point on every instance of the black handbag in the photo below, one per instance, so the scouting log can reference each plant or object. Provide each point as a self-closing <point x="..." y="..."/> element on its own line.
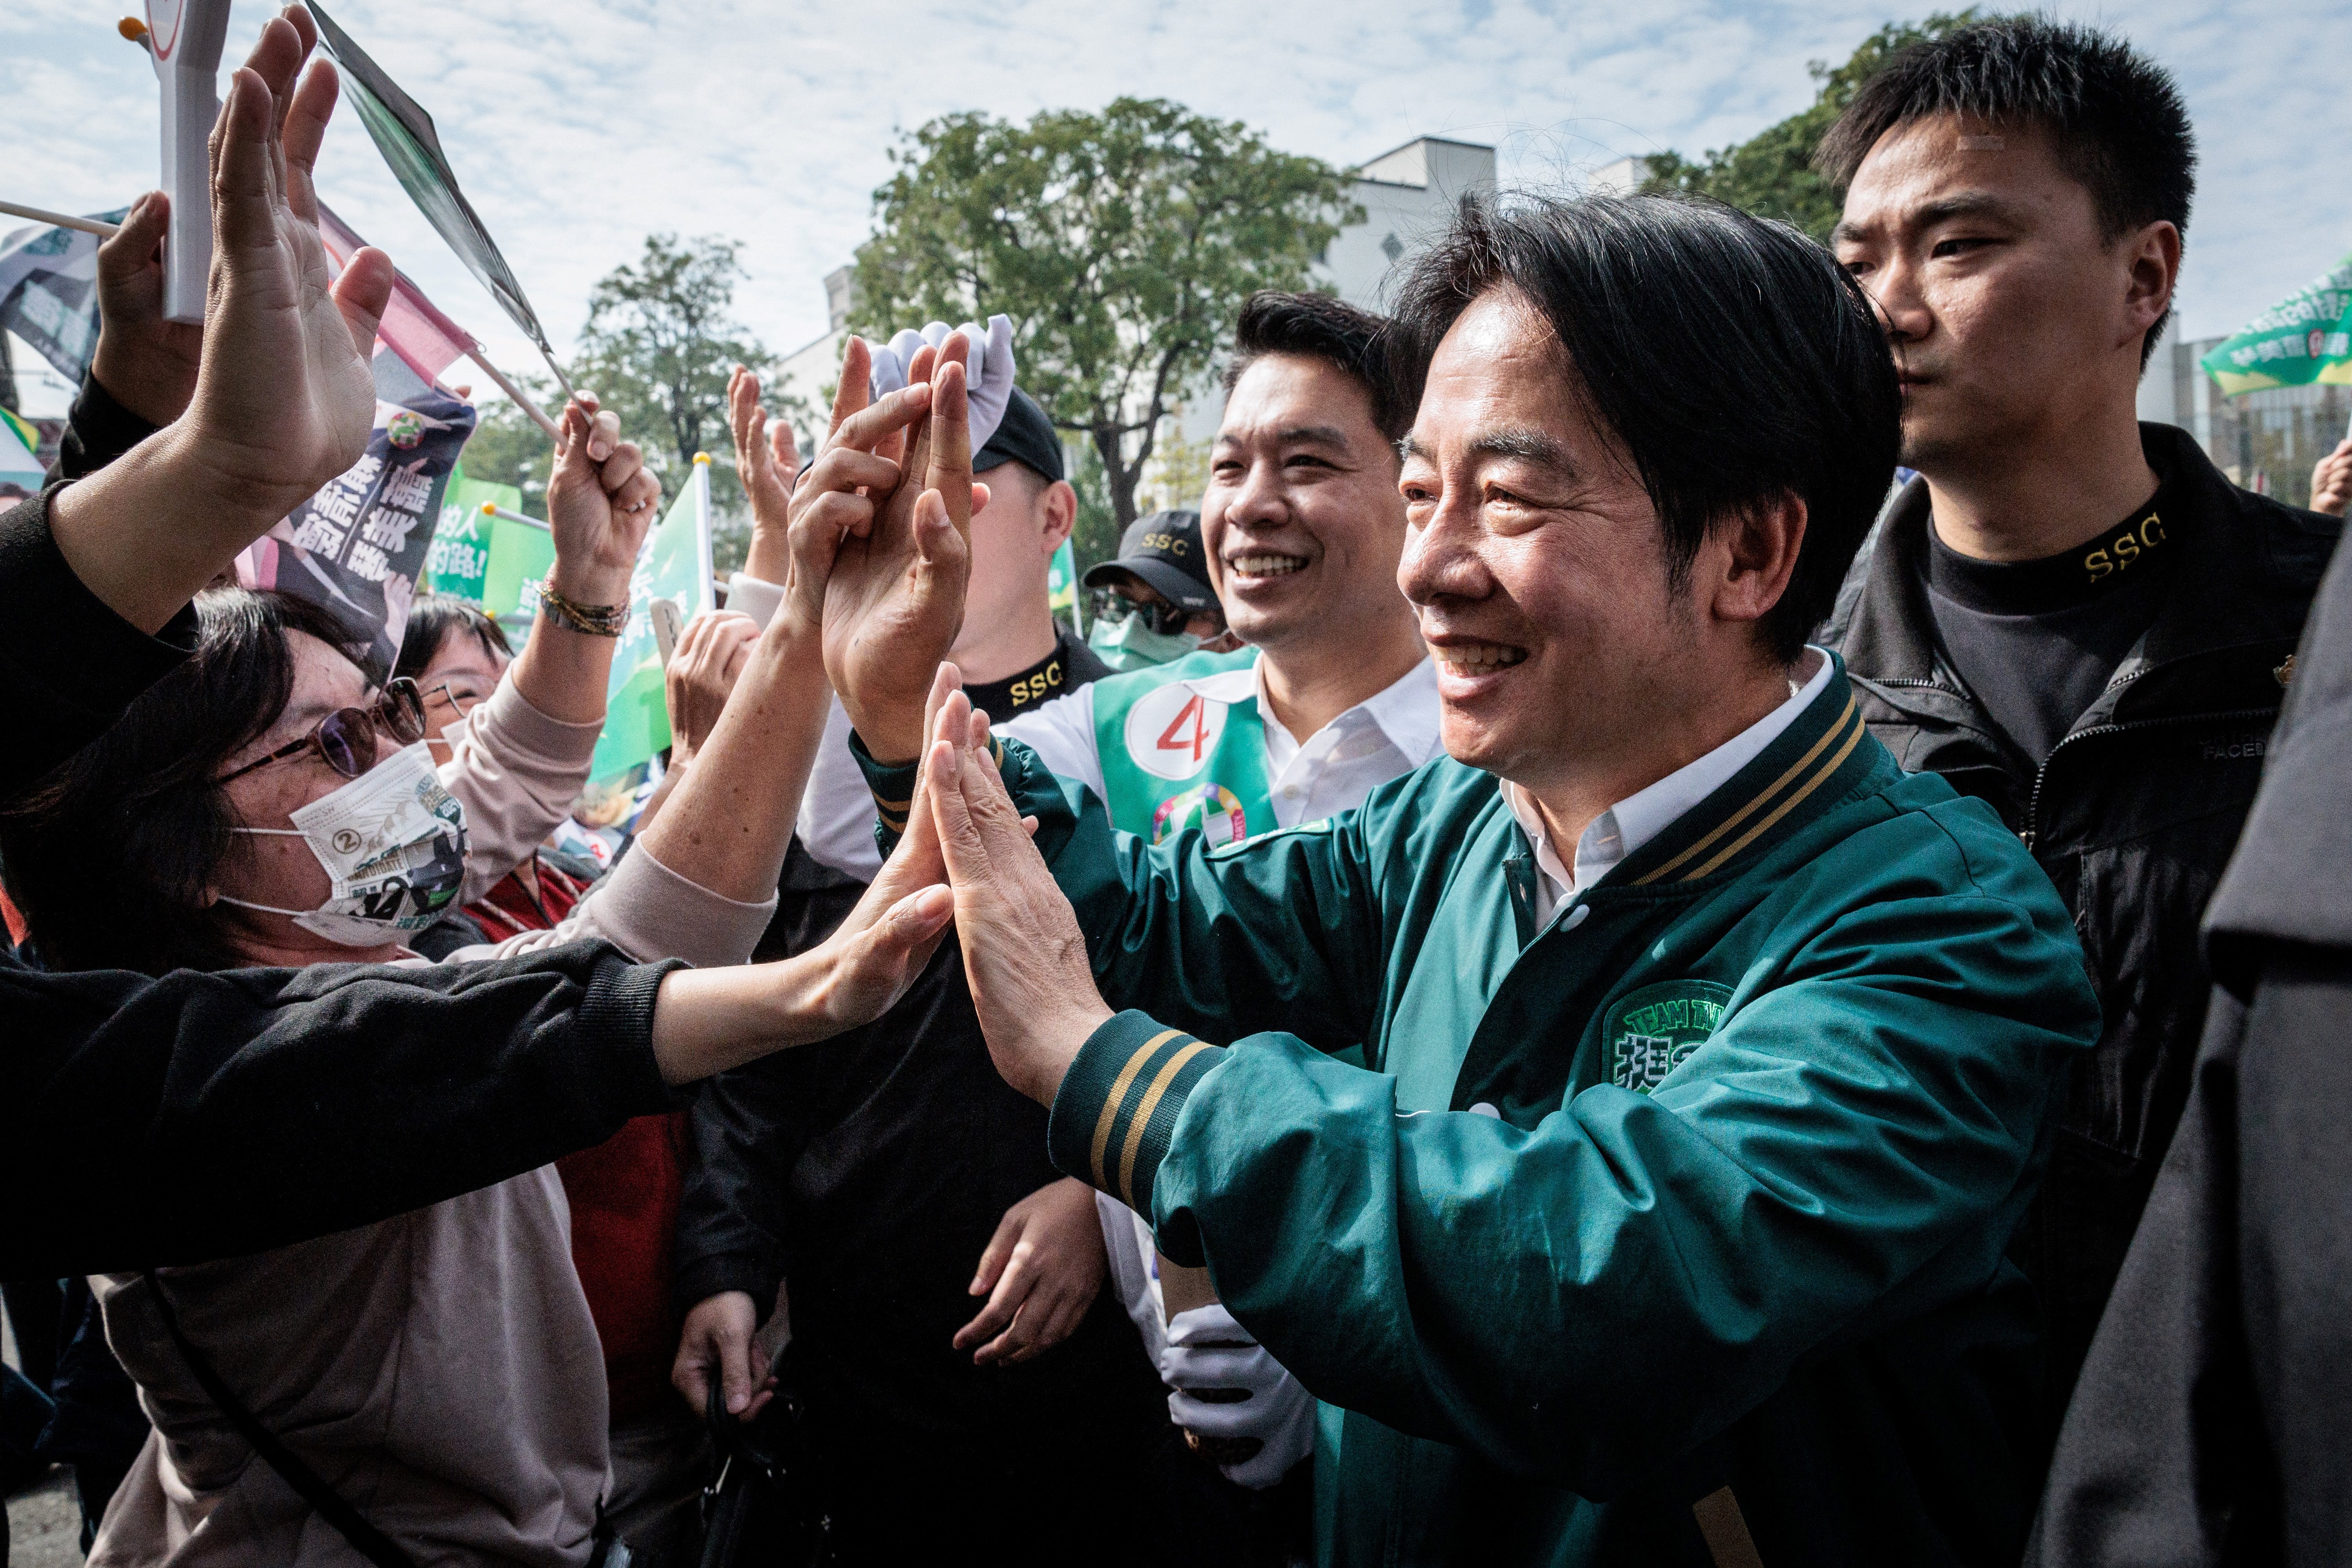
<point x="607" y="1548"/>
<point x="765" y="1507"/>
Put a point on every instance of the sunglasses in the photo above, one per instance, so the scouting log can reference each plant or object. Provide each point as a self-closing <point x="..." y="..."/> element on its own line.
<point x="346" y="739"/>
<point x="1161" y="617"/>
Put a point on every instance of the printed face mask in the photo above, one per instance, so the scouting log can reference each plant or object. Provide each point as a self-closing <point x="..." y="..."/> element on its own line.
<point x="1130" y="644"/>
<point x="393" y="843"/>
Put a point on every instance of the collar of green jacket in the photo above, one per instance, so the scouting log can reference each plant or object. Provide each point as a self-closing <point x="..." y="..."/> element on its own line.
<point x="2234" y="611"/>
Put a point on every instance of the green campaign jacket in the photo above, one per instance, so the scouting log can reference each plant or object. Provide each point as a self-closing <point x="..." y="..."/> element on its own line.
<point x="1747" y="1128"/>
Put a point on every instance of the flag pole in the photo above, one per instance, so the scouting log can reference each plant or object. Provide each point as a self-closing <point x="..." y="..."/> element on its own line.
<point x="98" y="227"/>
<point x="492" y="509"/>
<point x="562" y="380"/>
<point x="511" y="390"/>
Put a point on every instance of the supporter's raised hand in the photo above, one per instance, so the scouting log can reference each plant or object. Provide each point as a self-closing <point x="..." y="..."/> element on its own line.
<point x="600" y="500"/>
<point x="708" y="660"/>
<point x="146" y="364"/>
<point x="767" y="460"/>
<point x="2331" y="480"/>
<point x="1040" y="1272"/>
<point x="895" y="583"/>
<point x="284" y="400"/>
<point x="1024" y="956"/>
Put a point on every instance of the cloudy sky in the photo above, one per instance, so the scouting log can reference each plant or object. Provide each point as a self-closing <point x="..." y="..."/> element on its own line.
<point x="579" y="126"/>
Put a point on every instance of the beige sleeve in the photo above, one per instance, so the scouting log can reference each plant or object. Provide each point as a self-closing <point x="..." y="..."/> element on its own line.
<point x="516" y="771"/>
<point x="649" y="912"/>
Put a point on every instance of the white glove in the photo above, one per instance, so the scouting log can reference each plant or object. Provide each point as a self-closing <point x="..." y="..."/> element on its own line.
<point x="988" y="368"/>
<point x="1210" y="1358"/>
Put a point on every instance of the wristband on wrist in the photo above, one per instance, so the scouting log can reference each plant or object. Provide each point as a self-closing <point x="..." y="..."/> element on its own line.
<point x="595" y="620"/>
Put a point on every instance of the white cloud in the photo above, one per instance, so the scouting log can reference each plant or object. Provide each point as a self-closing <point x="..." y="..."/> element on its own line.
<point x="578" y="126"/>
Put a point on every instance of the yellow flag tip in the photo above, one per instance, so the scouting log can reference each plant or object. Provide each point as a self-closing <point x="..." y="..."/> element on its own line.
<point x="131" y="29"/>
<point x="490" y="509"/>
<point x="703" y="457"/>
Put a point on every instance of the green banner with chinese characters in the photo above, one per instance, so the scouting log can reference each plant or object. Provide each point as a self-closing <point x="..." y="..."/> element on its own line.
<point x="2305" y="337"/>
<point x="458" y="564"/>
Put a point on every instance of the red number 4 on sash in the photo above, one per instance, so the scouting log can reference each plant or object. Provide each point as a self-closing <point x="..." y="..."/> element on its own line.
<point x="1194" y="712"/>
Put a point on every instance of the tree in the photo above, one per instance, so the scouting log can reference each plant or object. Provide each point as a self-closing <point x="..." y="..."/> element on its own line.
<point x="1122" y="244"/>
<point x="1772" y="174"/>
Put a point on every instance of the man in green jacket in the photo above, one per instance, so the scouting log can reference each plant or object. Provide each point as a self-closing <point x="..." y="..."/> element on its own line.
<point x="1623" y="1118"/>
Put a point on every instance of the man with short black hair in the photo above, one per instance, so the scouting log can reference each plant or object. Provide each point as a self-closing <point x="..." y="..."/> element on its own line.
<point x="1628" y="1111"/>
<point x="2068" y="613"/>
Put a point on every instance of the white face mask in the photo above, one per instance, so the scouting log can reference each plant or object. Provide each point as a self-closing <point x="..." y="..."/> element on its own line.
<point x="394" y="844"/>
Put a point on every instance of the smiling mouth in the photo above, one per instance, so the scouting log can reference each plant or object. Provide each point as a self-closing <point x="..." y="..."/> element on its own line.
<point x="1477" y="658"/>
<point x="1266" y="565"/>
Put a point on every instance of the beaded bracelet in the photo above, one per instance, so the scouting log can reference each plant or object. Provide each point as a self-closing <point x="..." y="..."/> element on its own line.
<point x="595" y="620"/>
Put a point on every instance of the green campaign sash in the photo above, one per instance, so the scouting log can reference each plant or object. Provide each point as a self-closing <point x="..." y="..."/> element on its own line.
<point x="1172" y="759"/>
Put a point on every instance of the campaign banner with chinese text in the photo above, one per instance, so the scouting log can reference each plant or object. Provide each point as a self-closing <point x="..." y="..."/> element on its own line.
<point x="458" y="564"/>
<point x="2304" y="338"/>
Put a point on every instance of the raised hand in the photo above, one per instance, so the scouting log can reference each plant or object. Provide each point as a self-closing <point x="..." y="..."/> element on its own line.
<point x="600" y="501"/>
<point x="894" y="586"/>
<point x="2331" y="480"/>
<point x="767" y="460"/>
<point x="146" y="364"/>
<point x="701" y="674"/>
<point x="284" y="400"/>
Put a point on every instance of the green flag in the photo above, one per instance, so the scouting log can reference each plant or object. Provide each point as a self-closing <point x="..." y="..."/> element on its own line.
<point x="2303" y="338"/>
<point x="674" y="565"/>
<point x="458" y="564"/>
<point x="520" y="558"/>
<point x="1062" y="587"/>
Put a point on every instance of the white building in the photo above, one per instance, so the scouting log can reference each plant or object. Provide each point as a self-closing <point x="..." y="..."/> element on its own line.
<point x="1409" y="197"/>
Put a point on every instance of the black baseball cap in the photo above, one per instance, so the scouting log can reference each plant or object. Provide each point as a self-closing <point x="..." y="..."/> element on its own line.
<point x="1025" y="437"/>
<point x="1164" y="553"/>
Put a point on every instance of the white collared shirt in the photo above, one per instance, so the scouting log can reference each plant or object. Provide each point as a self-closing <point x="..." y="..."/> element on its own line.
<point x="1386" y="736"/>
<point x="1640" y="816"/>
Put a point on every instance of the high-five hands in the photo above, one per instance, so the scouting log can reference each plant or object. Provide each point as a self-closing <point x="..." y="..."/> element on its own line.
<point x="882" y="528"/>
<point x="987" y="367"/>
<point x="147" y="364"/>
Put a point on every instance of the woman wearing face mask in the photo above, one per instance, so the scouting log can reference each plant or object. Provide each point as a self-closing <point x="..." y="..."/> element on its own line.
<point x="438" y="1372"/>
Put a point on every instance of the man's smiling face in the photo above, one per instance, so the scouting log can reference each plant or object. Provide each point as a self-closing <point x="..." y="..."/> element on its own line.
<point x="1301" y="519"/>
<point x="1534" y="556"/>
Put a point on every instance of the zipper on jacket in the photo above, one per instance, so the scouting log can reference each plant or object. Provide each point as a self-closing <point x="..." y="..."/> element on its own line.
<point x="2031" y="831"/>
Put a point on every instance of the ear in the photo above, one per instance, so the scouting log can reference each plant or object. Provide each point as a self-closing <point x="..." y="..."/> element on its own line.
<point x="2153" y="266"/>
<point x="1061" y="505"/>
<point x="1751" y="557"/>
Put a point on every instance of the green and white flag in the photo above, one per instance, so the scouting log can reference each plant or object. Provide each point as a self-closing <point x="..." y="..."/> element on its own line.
<point x="20" y="467"/>
<point x="674" y="565"/>
<point x="2304" y="338"/>
<point x="458" y="564"/>
<point x="1062" y="587"/>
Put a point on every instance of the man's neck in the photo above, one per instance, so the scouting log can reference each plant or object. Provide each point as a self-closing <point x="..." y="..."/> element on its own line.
<point x="1311" y="685"/>
<point x="2031" y="500"/>
<point x="1573" y="801"/>
<point x="1001" y="651"/>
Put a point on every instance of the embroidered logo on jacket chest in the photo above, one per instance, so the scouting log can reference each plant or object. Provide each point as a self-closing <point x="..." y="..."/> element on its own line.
<point x="1650" y="1032"/>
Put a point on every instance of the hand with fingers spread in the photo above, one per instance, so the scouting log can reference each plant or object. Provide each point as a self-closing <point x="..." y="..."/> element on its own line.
<point x="703" y="670"/>
<point x="1040" y="1272"/>
<point x="283" y="399"/>
<point x="146" y="364"/>
<point x="767" y="460"/>
<point x="601" y="500"/>
<point x="900" y="552"/>
<point x="1024" y="956"/>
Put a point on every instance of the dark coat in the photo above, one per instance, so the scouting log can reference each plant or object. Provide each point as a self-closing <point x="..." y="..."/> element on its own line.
<point x="2134" y="815"/>
<point x="2211" y="1424"/>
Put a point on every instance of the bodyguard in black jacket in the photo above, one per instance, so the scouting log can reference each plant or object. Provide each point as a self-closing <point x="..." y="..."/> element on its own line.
<point x="2070" y="615"/>
<point x="2210" y="1425"/>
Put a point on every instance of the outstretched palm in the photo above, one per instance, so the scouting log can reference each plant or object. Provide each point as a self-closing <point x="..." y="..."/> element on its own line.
<point x="894" y="590"/>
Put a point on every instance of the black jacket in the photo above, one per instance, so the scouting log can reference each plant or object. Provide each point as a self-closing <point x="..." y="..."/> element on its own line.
<point x="2133" y="815"/>
<point x="2211" y="1425"/>
<point x="869" y="1171"/>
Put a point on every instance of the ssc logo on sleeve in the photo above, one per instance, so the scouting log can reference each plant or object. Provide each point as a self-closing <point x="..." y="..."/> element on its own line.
<point x="1172" y="730"/>
<point x="1653" y="1031"/>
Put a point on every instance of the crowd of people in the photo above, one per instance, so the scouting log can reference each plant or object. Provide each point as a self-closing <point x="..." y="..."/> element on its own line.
<point x="1698" y="917"/>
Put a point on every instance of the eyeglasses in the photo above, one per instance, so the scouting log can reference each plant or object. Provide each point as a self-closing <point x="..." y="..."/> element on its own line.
<point x="445" y="696"/>
<point x="346" y="738"/>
